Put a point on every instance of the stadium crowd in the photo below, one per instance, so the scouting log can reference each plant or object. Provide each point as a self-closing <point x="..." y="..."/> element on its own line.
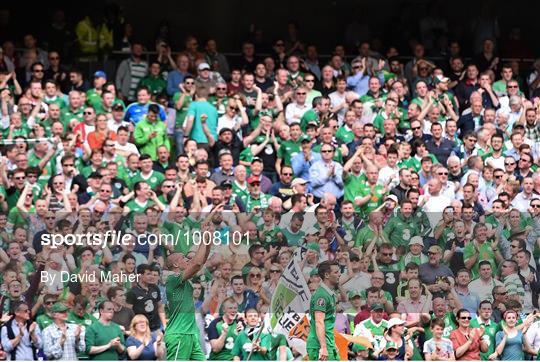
<point x="411" y="188"/>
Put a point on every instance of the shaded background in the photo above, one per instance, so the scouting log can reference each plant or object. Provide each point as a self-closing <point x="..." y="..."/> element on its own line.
<point x="323" y="22"/>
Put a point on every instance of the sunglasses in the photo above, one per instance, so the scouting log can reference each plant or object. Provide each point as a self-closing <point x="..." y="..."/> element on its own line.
<point x="327" y="151"/>
<point x="536" y="206"/>
<point x="415" y="128"/>
<point x="20" y="178"/>
<point x="38" y="70"/>
<point x="310" y="80"/>
<point x="498" y="176"/>
<point x="68" y="165"/>
<point x="386" y="254"/>
<point x="509" y="163"/>
<point x="286" y="174"/>
<point x="356" y="67"/>
<point x="465" y="318"/>
<point x="88" y="113"/>
<point x="275" y="271"/>
<point x="109" y="145"/>
<point x="190" y="83"/>
<point x="221" y="88"/>
<point x="109" y="191"/>
<point x="502" y="293"/>
<point x="442" y="173"/>
<point x="50" y="302"/>
<point x="301" y="94"/>
<point x="255" y="275"/>
<point x="511" y="86"/>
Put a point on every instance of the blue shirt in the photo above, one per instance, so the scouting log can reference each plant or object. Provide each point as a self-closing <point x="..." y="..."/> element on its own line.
<point x="148" y="353"/>
<point x="143" y="242"/>
<point x="301" y="167"/>
<point x="469" y="301"/>
<point x="359" y="83"/>
<point x="135" y="112"/>
<point x="174" y="79"/>
<point x="513" y="349"/>
<point x="321" y="183"/>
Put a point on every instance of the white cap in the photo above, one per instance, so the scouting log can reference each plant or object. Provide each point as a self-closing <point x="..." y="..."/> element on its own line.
<point x="298" y="181"/>
<point x="203" y="66"/>
<point x="394" y="322"/>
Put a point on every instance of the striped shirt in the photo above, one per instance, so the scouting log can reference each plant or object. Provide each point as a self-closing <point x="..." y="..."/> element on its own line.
<point x="137" y="71"/>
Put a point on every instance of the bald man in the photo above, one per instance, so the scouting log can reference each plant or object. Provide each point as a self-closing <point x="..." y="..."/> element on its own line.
<point x="182" y="332"/>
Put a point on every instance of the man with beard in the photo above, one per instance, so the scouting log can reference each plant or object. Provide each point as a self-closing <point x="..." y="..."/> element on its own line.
<point x="402" y="226"/>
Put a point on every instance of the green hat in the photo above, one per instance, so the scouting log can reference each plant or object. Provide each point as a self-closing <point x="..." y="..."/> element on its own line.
<point x="313" y="272"/>
<point x="391" y="345"/>
<point x="314" y="246"/>
<point x="305" y="138"/>
<point x="353" y="293"/>
<point x="377" y="306"/>
<point x="59" y="308"/>
<point x="357" y="348"/>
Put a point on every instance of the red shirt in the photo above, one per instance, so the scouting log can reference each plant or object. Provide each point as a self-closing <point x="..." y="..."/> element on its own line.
<point x="459" y="339"/>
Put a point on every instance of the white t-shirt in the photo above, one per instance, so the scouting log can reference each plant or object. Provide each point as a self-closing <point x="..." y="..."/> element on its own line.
<point x="127" y="148"/>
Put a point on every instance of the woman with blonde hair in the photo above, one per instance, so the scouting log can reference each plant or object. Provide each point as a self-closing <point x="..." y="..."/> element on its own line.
<point x="142" y="344"/>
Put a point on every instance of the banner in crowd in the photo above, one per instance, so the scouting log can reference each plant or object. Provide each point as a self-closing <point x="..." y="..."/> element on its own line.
<point x="290" y="304"/>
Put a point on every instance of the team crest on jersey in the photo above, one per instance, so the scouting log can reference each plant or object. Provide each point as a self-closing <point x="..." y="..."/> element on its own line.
<point x="321" y="302"/>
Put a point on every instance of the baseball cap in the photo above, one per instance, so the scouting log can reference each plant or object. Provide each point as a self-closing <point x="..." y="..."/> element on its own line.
<point x="298" y="181"/>
<point x="100" y="74"/>
<point x="376" y="306"/>
<point x="357" y="348"/>
<point x="305" y="138"/>
<point x="59" y="308"/>
<point x="256" y="159"/>
<point x="394" y="322"/>
<point x="393" y="198"/>
<point x="416" y="240"/>
<point x="253" y="179"/>
<point x="117" y="107"/>
<point x="225" y="129"/>
<point x="391" y="345"/>
<point x="434" y="249"/>
<point x="353" y="293"/>
<point x="441" y="79"/>
<point x="203" y="66"/>
<point x="95" y="175"/>
<point x="226" y="183"/>
<point x="314" y="247"/>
